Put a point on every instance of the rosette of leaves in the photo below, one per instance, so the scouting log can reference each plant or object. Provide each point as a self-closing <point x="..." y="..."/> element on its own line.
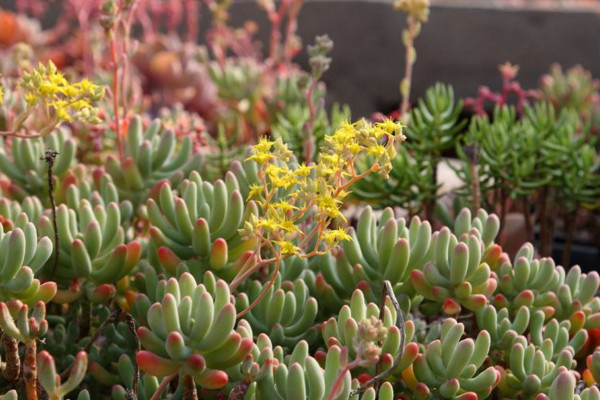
<point x="503" y="329"/>
<point x="529" y="282"/>
<point x="454" y="276"/>
<point x="22" y="256"/>
<point x="287" y="313"/>
<point x="92" y="250"/>
<point x="301" y="376"/>
<point x="485" y="226"/>
<point x="199" y="224"/>
<point x="191" y="332"/>
<point x="22" y="162"/>
<point x="345" y="331"/>
<point x="531" y="370"/>
<point x="384" y="249"/>
<point x="450" y="367"/>
<point x="151" y="156"/>
<point x="538" y="283"/>
<point x="506" y="330"/>
<point x="96" y="186"/>
<point x="552" y="337"/>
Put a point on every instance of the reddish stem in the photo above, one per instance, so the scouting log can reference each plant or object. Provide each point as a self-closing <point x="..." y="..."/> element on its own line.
<point x="310" y="126"/>
<point x="163" y="386"/>
<point x="264" y="291"/>
<point x="115" y="95"/>
<point x="30" y="370"/>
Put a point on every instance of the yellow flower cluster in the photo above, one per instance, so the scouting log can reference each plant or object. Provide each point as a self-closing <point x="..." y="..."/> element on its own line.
<point x="300" y="202"/>
<point x="419" y="9"/>
<point x="47" y="87"/>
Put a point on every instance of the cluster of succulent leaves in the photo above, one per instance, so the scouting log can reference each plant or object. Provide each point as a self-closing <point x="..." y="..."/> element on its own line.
<point x="474" y="323"/>
<point x="542" y="163"/>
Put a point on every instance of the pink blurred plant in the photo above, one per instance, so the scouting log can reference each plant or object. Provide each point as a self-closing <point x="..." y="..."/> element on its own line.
<point x="510" y="89"/>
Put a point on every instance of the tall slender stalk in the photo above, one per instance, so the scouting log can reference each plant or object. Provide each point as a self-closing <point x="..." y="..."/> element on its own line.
<point x="410" y="58"/>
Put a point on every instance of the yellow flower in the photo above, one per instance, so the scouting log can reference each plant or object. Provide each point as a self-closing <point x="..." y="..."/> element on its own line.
<point x="287" y="248"/>
<point x="390" y="126"/>
<point x="284" y="206"/>
<point x="377" y="150"/>
<point x="288" y="226"/>
<point x="304" y="170"/>
<point x="329" y="206"/>
<point x="263" y="145"/>
<point x="261" y="158"/>
<point x="269" y="224"/>
<point x="335" y="235"/>
<point x="255" y="190"/>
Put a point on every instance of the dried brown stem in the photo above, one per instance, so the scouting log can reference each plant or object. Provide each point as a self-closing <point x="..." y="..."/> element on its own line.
<point x="12" y="368"/>
<point x="189" y="388"/>
<point x="49" y="158"/>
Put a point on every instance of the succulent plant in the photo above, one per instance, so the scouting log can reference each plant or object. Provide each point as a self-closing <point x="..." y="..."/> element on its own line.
<point x="23" y="255"/>
<point x="31" y="206"/>
<point x="200" y="224"/>
<point x="532" y="371"/>
<point x="192" y="331"/>
<point x="346" y="330"/>
<point x="92" y="249"/>
<point x="575" y="89"/>
<point x="22" y="163"/>
<point x="51" y="381"/>
<point x="450" y="366"/>
<point x="434" y="127"/>
<point x="287" y="313"/>
<point x="383" y="249"/>
<point x="25" y="326"/>
<point x="302" y="377"/>
<point x="151" y="156"/>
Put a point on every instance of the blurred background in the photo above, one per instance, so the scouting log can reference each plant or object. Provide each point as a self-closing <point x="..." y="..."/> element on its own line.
<point x="463" y="43"/>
